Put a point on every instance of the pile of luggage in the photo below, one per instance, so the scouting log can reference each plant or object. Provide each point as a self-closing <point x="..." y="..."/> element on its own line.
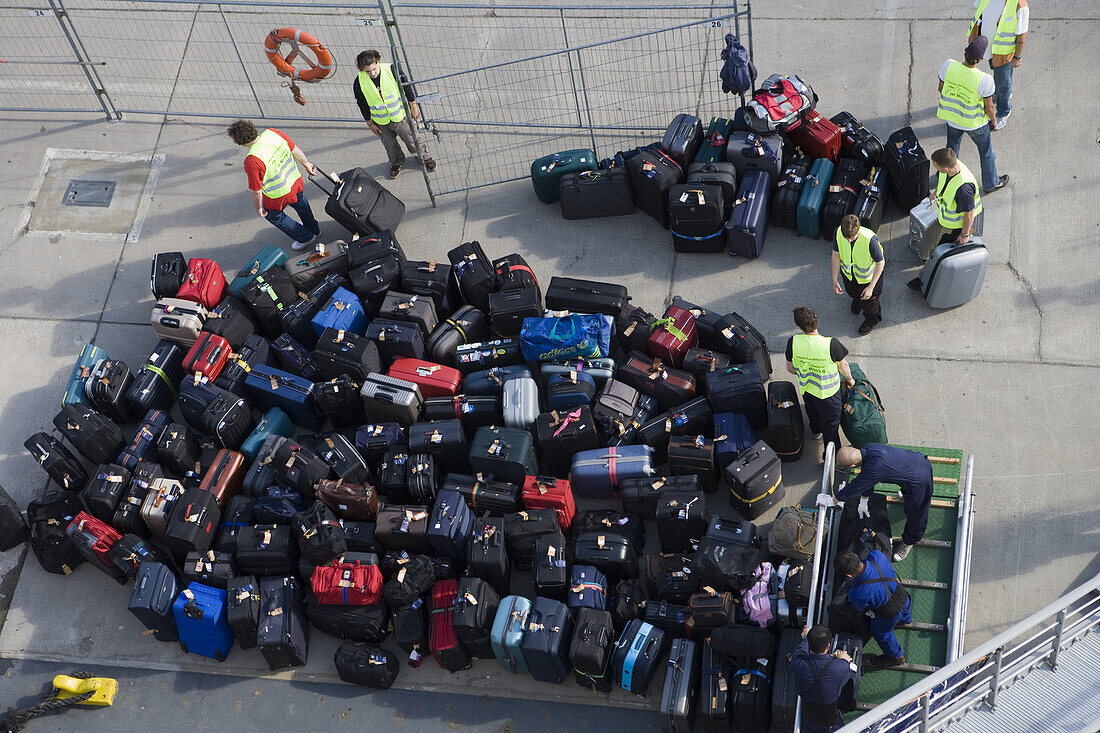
<point x="777" y="161"/>
<point x="371" y="446"/>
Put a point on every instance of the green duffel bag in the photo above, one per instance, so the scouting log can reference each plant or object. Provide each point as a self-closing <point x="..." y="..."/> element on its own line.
<point x="863" y="417"/>
<point x="547" y="170"/>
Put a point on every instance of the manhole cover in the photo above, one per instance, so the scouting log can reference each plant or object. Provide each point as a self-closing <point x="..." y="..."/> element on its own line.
<point x="89" y="193"/>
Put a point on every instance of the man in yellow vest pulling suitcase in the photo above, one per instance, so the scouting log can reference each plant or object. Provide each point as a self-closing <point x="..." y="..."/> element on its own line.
<point x="378" y="94"/>
<point x="966" y="105"/>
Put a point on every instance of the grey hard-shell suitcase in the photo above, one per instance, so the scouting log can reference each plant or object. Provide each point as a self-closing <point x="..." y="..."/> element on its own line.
<point x="155" y="590"/>
<point x="178" y="320"/>
<point x="925" y="230"/>
<point x="389" y="399"/>
<point x="681" y="681"/>
<point x="954" y="273"/>
<point x="520" y="402"/>
<point x="683" y="138"/>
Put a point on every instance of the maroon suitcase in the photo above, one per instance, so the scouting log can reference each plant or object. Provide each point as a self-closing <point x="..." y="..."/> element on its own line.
<point x="818" y="137"/>
<point x="225" y="476"/>
<point x="673" y="335"/>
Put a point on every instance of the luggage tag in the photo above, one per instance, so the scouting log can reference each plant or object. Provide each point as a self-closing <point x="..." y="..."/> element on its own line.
<point x="700" y="441"/>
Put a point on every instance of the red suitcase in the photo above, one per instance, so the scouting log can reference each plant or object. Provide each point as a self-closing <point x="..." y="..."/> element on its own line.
<point x="547" y="492"/>
<point x="208" y="356"/>
<point x="204" y="282"/>
<point x="442" y="640"/>
<point x="434" y="380"/>
<point x="818" y="137"/>
<point x="673" y="335"/>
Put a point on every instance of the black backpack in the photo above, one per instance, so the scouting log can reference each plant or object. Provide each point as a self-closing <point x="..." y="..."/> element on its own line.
<point x="48" y="517"/>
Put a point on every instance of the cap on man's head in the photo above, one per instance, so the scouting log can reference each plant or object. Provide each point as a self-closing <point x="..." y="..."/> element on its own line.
<point x="976" y="50"/>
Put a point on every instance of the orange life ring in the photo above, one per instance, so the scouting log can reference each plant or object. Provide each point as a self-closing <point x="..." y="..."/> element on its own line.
<point x="317" y="71"/>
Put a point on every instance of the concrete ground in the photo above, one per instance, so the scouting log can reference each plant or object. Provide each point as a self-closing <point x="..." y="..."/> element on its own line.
<point x="1011" y="378"/>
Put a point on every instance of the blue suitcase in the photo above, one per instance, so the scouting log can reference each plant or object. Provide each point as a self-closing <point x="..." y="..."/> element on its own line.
<point x="569" y="390"/>
<point x="747" y="225"/>
<point x="739" y="435"/>
<point x="739" y="388"/>
<point x="636" y="656"/>
<point x="74" y="390"/>
<point x="200" y="614"/>
<point x="143" y="446"/>
<point x="546" y="640"/>
<point x="269" y="387"/>
<point x="597" y="474"/>
<point x="587" y="588"/>
<point x="269" y="256"/>
<point x="491" y="381"/>
<point x="155" y="592"/>
<point x="450" y="526"/>
<point x="275" y="422"/>
<point x="814" y="188"/>
<point x="507" y="634"/>
<point x="342" y="312"/>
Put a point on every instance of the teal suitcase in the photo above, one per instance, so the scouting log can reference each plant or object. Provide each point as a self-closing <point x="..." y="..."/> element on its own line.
<point x="275" y="422"/>
<point x="269" y="256"/>
<point x="547" y="170"/>
<point x="713" y="149"/>
<point x="74" y="390"/>
<point x="506" y="637"/>
<point x="814" y="188"/>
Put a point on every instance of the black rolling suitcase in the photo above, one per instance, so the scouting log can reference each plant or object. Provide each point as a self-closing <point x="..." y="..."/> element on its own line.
<point x="590" y="649"/>
<point x="721" y="174"/>
<point x="853" y="645"/>
<point x="740" y="339"/>
<point x="739" y="388"/>
<point x="681" y="682"/>
<point x="751" y="694"/>
<point x="475" y="607"/>
<point x="57" y="461"/>
<point x="756" y="480"/>
<point x="155" y="591"/>
<point x="587" y="296"/>
<point x="283" y="633"/>
<point x="487" y="555"/>
<point x="593" y="194"/>
<point x="696" y="217"/>
<point x="366" y="665"/>
<point x="242" y="609"/>
<point x="652" y="174"/>
<point x="856" y="141"/>
<point x="560" y="435"/>
<point x="693" y="455"/>
<point x="13" y="528"/>
<point x="789" y="191"/>
<point x="96" y="437"/>
<point x="508" y="309"/>
<point x="682" y="518"/>
<point x="784" y="692"/>
<point x="545" y="644"/>
<point x="871" y="202"/>
<point x="193" y="522"/>
<point x="908" y="168"/>
<point x="360" y="204"/>
<point x="714" y="692"/>
<point x="840" y="199"/>
<point x="107" y="386"/>
<point x="157" y="381"/>
<point x="475" y="274"/>
<point x="786" y="430"/>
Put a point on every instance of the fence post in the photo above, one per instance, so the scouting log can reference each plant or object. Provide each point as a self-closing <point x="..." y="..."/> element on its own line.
<point x="569" y="59"/>
<point x="924" y="712"/>
<point x="1058" y="640"/>
<point x="90" y="73"/>
<point x="995" y="680"/>
<point x="584" y="86"/>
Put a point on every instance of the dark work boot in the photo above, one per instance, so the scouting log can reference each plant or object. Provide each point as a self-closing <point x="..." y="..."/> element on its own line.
<point x="884" y="662"/>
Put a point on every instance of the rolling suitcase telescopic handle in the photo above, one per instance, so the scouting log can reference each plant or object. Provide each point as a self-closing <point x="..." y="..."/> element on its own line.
<point x="332" y="177"/>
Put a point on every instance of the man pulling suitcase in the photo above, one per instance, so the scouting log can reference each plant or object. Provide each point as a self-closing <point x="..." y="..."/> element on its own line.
<point x="275" y="182"/>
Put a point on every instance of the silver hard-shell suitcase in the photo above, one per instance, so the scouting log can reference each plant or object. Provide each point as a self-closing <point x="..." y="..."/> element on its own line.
<point x="954" y="273"/>
<point x="520" y="402"/>
<point x="389" y="399"/>
<point x="158" y="504"/>
<point x="178" y="320"/>
<point x="925" y="230"/>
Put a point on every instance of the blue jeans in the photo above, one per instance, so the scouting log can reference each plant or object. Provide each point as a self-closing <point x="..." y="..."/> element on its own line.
<point x="982" y="138"/>
<point x="1002" y="98"/>
<point x="883" y="630"/>
<point x="293" y="229"/>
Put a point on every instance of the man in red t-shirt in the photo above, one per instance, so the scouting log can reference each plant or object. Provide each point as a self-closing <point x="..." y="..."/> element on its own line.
<point x="275" y="182"/>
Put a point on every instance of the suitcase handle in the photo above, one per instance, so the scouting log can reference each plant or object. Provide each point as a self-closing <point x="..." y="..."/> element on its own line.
<point x="332" y="177"/>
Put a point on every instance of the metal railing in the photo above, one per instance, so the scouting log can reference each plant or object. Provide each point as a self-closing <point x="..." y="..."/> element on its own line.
<point x="975" y="679"/>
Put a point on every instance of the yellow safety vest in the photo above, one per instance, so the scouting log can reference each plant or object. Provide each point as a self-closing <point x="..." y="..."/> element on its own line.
<point x="280" y="172"/>
<point x="1005" y="39"/>
<point x="960" y="102"/>
<point x="385" y="103"/>
<point x="945" y="197"/>
<point x="818" y="374"/>
<point x="856" y="262"/>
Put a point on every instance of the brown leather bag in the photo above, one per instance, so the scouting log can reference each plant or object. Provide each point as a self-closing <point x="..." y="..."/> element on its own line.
<point x="357" y="502"/>
<point x="669" y="386"/>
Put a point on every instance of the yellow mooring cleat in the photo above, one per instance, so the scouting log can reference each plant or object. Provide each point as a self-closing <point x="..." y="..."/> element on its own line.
<point x="102" y="688"/>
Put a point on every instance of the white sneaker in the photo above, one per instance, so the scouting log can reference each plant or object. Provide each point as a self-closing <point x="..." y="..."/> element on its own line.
<point x="299" y="246"/>
<point x="1002" y="120"/>
<point x="902" y="552"/>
